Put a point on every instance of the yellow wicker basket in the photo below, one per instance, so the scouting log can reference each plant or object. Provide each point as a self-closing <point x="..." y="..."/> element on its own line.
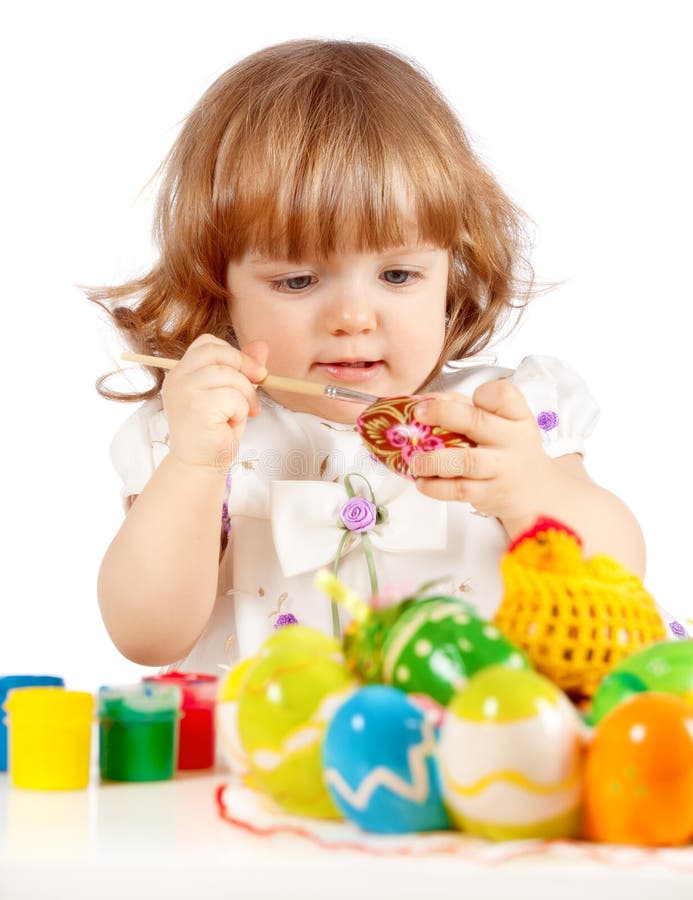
<point x="575" y="618"/>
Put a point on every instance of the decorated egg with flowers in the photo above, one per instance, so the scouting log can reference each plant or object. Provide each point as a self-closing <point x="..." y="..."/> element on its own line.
<point x="392" y="434"/>
<point x="639" y="773"/>
<point x="510" y="756"/>
<point x="423" y="645"/>
<point x="665" y="667"/>
<point x="379" y="763"/>
<point x="286" y="700"/>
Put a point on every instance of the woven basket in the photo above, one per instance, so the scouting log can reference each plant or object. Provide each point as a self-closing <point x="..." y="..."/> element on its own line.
<point x="574" y="618"/>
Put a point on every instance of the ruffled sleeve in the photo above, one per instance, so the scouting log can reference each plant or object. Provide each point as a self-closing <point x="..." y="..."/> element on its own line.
<point x="565" y="410"/>
<point x="138" y="446"/>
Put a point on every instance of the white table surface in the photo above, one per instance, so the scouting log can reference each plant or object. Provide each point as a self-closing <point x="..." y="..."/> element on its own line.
<point x="167" y="840"/>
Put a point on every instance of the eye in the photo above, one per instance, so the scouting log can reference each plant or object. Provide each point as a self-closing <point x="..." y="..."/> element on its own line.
<point x="401" y="276"/>
<point x="294" y="284"/>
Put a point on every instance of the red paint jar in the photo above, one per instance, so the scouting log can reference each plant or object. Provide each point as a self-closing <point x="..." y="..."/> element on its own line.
<point x="196" y="744"/>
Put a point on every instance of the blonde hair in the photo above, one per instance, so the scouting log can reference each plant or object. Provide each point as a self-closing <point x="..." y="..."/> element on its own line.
<point x="292" y="152"/>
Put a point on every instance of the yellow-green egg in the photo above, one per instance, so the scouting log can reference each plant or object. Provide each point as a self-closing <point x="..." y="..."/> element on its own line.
<point x="510" y="756"/>
<point x="227" y="717"/>
<point x="301" y="636"/>
<point x="287" y="700"/>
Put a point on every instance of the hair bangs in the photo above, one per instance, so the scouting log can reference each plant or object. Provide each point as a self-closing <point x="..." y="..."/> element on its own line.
<point x="338" y="174"/>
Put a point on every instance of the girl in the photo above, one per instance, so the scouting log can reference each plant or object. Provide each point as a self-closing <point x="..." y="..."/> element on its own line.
<point x="322" y="216"/>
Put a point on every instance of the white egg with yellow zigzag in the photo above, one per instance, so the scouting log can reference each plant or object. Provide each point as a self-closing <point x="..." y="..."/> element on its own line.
<point x="510" y="757"/>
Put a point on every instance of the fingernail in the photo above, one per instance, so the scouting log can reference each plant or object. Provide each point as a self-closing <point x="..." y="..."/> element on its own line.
<point x="420" y="409"/>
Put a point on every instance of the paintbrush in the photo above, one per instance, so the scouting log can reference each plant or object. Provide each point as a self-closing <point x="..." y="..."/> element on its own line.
<point x="277" y="382"/>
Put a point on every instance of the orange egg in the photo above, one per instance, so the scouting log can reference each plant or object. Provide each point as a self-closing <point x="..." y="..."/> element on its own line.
<point x="638" y="786"/>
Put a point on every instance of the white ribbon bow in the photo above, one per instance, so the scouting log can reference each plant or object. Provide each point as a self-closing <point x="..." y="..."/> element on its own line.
<point x="307" y="528"/>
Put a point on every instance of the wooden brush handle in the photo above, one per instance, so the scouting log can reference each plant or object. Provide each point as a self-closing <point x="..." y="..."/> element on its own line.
<point x="277" y="382"/>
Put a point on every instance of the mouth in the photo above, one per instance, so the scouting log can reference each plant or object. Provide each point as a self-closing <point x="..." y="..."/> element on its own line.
<point x="355" y="370"/>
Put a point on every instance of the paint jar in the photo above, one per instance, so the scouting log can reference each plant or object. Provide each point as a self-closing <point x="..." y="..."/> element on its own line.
<point x="138" y="731"/>
<point x="10" y="683"/>
<point x="197" y="733"/>
<point x="49" y="738"/>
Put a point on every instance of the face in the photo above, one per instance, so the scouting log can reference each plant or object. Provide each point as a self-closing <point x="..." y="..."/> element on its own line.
<point x="370" y="322"/>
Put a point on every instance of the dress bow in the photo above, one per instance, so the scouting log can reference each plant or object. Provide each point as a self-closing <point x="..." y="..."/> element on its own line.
<point x="307" y="529"/>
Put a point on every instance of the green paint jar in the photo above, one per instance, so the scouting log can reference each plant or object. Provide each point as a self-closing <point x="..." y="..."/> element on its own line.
<point x="138" y="731"/>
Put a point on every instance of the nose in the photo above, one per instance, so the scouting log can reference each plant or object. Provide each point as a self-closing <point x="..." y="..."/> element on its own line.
<point x="351" y="315"/>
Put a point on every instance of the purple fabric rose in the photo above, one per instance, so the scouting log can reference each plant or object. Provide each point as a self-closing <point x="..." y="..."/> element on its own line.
<point x="547" y="420"/>
<point x="358" y="514"/>
<point x="678" y="629"/>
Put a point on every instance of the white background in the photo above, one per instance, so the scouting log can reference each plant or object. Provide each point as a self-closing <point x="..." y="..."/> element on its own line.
<point x="581" y="109"/>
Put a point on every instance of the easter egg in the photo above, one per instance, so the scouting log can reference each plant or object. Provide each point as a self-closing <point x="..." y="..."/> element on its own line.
<point x="438" y="643"/>
<point x="304" y="638"/>
<point x="286" y="700"/>
<point x="227" y="717"/>
<point x="510" y="757"/>
<point x="639" y="773"/>
<point x="392" y="434"/>
<point x="665" y="667"/>
<point x="379" y="763"/>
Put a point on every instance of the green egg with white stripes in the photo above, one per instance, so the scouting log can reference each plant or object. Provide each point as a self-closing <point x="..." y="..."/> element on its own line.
<point x="438" y="643"/>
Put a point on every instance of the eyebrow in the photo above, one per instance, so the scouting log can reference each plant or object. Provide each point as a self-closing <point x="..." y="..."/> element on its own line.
<point x="259" y="260"/>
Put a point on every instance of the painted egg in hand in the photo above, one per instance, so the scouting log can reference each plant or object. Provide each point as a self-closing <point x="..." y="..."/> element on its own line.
<point x="437" y="644"/>
<point x="379" y="763"/>
<point x="392" y="434"/>
<point x="639" y="773"/>
<point x="510" y="756"/>
<point x="286" y="701"/>
<point x="665" y="667"/>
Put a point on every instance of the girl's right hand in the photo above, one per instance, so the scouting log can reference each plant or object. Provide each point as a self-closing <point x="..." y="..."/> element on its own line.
<point x="208" y="397"/>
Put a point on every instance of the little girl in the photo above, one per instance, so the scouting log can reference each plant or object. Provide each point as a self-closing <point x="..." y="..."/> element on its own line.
<point x="323" y="217"/>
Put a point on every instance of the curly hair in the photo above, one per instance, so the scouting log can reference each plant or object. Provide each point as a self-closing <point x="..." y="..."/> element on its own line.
<point x="291" y="150"/>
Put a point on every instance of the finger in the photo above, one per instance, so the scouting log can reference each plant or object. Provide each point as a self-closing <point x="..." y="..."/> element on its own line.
<point x="226" y="405"/>
<point x="258" y="350"/>
<point x="455" y="462"/>
<point x="222" y="376"/>
<point x="461" y="490"/>
<point x="214" y="351"/>
<point x="457" y="414"/>
<point x="502" y="398"/>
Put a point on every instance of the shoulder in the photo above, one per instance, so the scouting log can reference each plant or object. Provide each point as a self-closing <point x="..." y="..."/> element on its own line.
<point x="143" y="426"/>
<point x="138" y="446"/>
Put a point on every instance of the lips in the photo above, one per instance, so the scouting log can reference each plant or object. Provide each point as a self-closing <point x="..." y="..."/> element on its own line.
<point x="357" y="363"/>
<point x="352" y="370"/>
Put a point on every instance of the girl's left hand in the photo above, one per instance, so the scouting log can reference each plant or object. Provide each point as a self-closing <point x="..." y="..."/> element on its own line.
<point x="507" y="473"/>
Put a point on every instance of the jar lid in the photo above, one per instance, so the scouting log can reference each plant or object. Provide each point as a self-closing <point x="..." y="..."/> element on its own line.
<point x="10" y="682"/>
<point x="139" y="702"/>
<point x="49" y="702"/>
<point x="198" y="689"/>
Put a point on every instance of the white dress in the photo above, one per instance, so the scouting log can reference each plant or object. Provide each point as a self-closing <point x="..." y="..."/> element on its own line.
<point x="287" y="487"/>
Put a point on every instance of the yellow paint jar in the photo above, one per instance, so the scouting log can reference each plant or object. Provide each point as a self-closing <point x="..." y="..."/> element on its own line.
<point x="49" y="738"/>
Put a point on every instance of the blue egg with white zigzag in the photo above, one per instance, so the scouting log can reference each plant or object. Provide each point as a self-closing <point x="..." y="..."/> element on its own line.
<point x="379" y="763"/>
